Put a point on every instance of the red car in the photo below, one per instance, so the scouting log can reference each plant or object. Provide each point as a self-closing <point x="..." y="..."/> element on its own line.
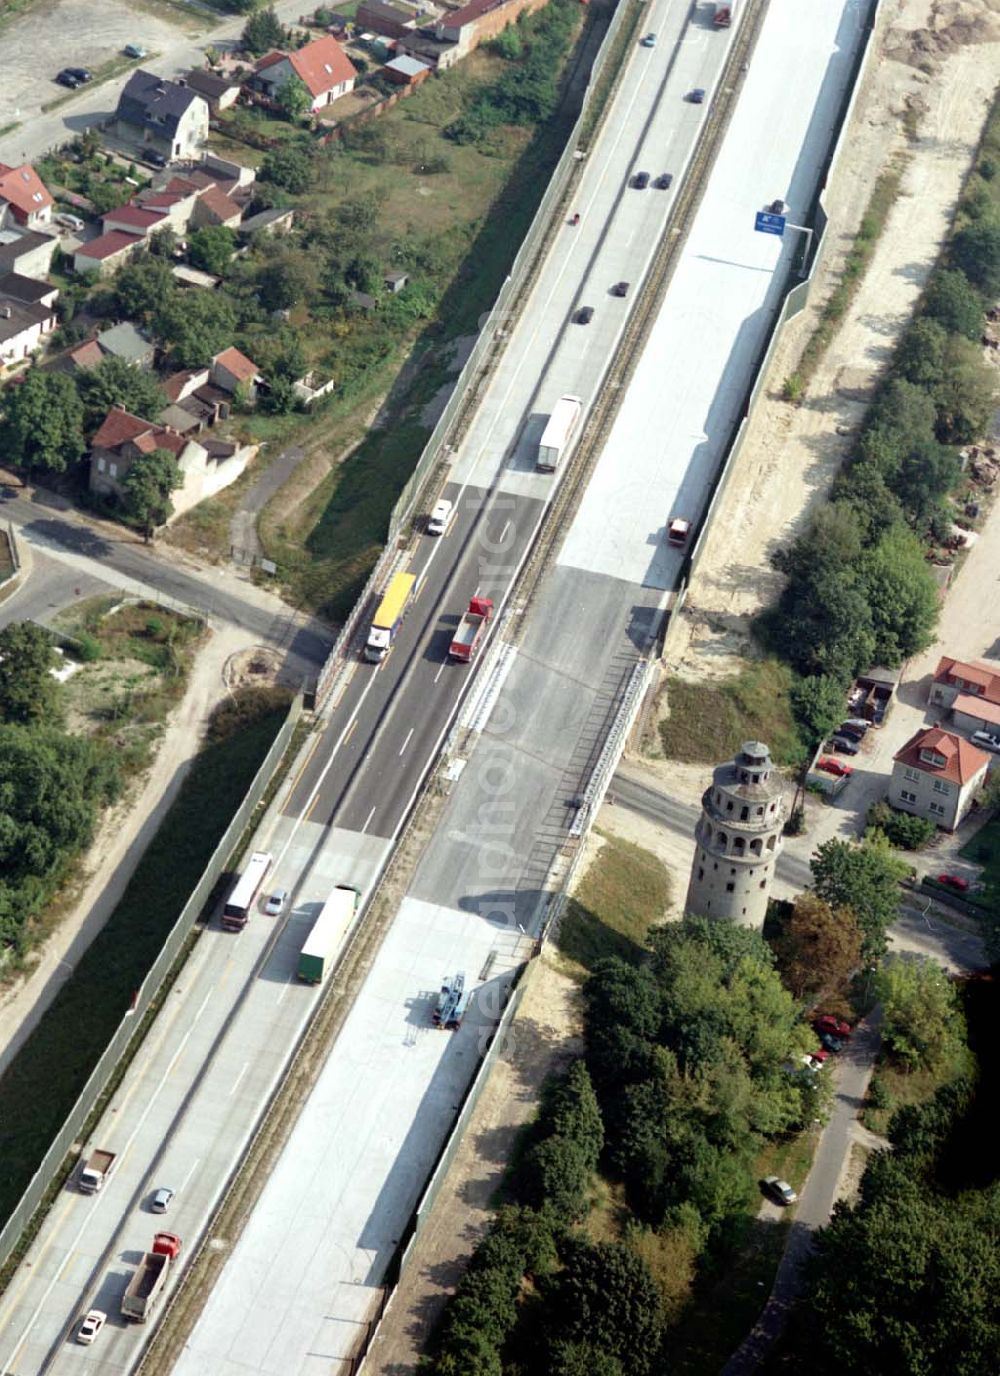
<point x="831" y="766"/>
<point x="831" y="1026"/>
<point x="953" y="881"/>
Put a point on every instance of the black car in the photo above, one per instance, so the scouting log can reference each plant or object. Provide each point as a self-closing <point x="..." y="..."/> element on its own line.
<point x="844" y="745"/>
<point x="66" y="78"/>
<point x="640" y="181"/>
<point x="81" y="74"/>
<point x="664" y="181"/>
<point x="697" y="96"/>
<point x="154" y="158"/>
<point x="584" y="315"/>
<point x="620" y="289"/>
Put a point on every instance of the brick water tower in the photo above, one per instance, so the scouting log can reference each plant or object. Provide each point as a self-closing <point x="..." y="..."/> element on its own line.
<point x="738" y="839"/>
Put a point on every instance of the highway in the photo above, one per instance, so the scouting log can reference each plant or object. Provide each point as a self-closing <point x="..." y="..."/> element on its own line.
<point x="305" y="1272"/>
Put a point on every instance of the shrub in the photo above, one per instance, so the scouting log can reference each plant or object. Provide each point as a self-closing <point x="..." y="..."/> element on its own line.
<point x="902" y="829"/>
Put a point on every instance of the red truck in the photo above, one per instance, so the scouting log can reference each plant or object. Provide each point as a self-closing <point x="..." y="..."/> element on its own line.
<point x="471" y="628"/>
<point x="146" y="1285"/>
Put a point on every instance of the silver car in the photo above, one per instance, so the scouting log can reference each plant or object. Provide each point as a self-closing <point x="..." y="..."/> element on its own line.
<point x="160" y="1202"/>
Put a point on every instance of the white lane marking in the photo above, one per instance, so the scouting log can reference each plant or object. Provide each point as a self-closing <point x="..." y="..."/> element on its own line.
<point x="444" y="665"/>
<point x="285" y="988"/>
<point x="8" y="1364"/>
<point x="407" y="741"/>
<point x="367" y="820"/>
<point x="236" y="1082"/>
<point x="194" y="1166"/>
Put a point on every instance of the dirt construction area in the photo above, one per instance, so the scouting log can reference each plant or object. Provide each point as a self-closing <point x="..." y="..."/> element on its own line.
<point x="924" y="100"/>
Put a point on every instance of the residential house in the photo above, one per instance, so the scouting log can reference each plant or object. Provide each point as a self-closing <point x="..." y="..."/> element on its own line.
<point x="84" y="357"/>
<point x="955" y="678"/>
<point x="28" y="252"/>
<point x="407" y="71"/>
<point x="213" y="207"/>
<point x="107" y="253"/>
<point x="936" y="775"/>
<point x="322" y="66"/>
<point x="27" y="315"/>
<point x="128" y="342"/>
<point x="206" y="465"/>
<point x="221" y="92"/>
<point x="480" y="20"/>
<point x="277" y="220"/>
<point x="429" y="47"/>
<point x="165" y="116"/>
<point x="232" y="370"/>
<point x="134" y="219"/>
<point x="193" y="403"/>
<point x="383" y="17"/>
<point x="24" y="199"/>
<point x="28" y="289"/>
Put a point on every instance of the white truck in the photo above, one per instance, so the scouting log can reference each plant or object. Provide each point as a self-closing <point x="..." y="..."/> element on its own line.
<point x="96" y="1169"/>
<point x="558" y="432"/>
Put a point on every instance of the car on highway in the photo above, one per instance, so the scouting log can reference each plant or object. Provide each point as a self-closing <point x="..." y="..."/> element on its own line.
<point x="649" y="41"/>
<point x="664" y="181"/>
<point x="276" y="902"/>
<point x="835" y="1027"/>
<point x="954" y="881"/>
<point x="640" y="181"/>
<point x="986" y="741"/>
<point x="160" y="1202"/>
<point x="620" y="289"/>
<point x="697" y="96"/>
<point x="779" y="1190"/>
<point x="843" y="745"/>
<point x="437" y="521"/>
<point x="91" y="1326"/>
<point x="584" y="315"/>
<point x="135" y="50"/>
<point x="832" y="766"/>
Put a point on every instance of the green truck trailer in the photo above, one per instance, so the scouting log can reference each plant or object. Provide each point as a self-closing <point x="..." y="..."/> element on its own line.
<point x="328" y="931"/>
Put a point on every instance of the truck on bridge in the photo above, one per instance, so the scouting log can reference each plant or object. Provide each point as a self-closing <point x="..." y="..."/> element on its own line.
<point x="558" y="432"/>
<point x="389" y="616"/>
<point x="323" y="942"/>
<point x="451" y="1003"/>
<point x="146" y="1285"/>
<point x="96" y="1169"/>
<point x="471" y="628"/>
<point x="725" y="11"/>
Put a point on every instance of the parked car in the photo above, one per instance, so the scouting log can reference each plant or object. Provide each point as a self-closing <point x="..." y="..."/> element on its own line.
<point x="697" y="96"/>
<point x="640" y="181"/>
<point x="986" y="741"/>
<point x="833" y="1044"/>
<point x="67" y="79"/>
<point x="852" y="729"/>
<point x="81" y="74"/>
<point x="835" y="1027"/>
<point x="831" y="766"/>
<point x="160" y="1202"/>
<point x="135" y="50"/>
<point x="276" y="902"/>
<point x="811" y="1063"/>
<point x="620" y="289"/>
<point x="779" y="1190"/>
<point x="649" y="41"/>
<point x="437" y="521"/>
<point x="154" y="158"/>
<point x="843" y="745"/>
<point x="72" y="222"/>
<point x="954" y="881"/>
<point x="584" y="315"/>
<point x="91" y="1326"/>
<point x="821" y="1055"/>
<point x="664" y="181"/>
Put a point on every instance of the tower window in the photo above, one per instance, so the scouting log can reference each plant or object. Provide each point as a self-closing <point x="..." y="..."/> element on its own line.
<point x="701" y="875"/>
<point x="744" y="813"/>
<point x="730" y="888"/>
<point x="732" y="871"/>
<point x="763" y="883"/>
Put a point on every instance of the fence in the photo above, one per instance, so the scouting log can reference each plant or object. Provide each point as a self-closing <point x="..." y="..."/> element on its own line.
<point x="54" y="1159"/>
<point x="491" y="338"/>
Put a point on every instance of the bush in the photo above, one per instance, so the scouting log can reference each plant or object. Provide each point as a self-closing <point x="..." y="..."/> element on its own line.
<point x="902" y="829"/>
<point x="88" y="647"/>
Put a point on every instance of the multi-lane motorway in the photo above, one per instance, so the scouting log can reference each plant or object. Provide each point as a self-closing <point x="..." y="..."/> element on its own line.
<point x="301" y="1278"/>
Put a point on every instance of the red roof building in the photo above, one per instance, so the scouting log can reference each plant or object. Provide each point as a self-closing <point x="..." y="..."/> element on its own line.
<point x="105" y="254"/>
<point x="955" y="676"/>
<point x="133" y="219"/>
<point x="322" y="66"/>
<point x="936" y="775"/>
<point x="24" y="198"/>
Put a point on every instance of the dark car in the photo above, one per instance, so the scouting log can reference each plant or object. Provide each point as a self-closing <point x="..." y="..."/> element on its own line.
<point x="844" y="745"/>
<point x="620" y="289"/>
<point x="697" y="96"/>
<point x="584" y="315"/>
<point x="81" y="74"/>
<point x="664" y="181"/>
<point x="154" y="158"/>
<point x="66" y="78"/>
<point x="832" y="1043"/>
<point x="640" y="181"/>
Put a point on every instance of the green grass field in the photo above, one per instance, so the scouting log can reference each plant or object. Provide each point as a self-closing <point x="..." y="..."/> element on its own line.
<point x="624" y="892"/>
<point x="709" y="721"/>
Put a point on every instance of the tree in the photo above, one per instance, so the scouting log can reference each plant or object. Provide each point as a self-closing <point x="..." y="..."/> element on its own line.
<point x="926" y="472"/>
<point x="954" y="302"/>
<point x="43" y="426"/>
<point x="964" y="394"/>
<point x="901" y="595"/>
<point x="920" y="356"/>
<point x="555" y="1175"/>
<point x="284" y="281"/>
<point x="865" y="880"/>
<point x="28" y="692"/>
<point x="922" y="1022"/>
<point x="211" y="248"/>
<point x="605" y="1296"/>
<point x="819" y="949"/>
<point x="163" y="243"/>
<point x="115" y="382"/>
<point x="976" y="250"/>
<point x="289" y="167"/>
<point x="143" y="288"/>
<point x="262" y="32"/>
<point x="574" y="1113"/>
<point x="147" y="487"/>
<point x="196" y="326"/>
<point x="901" y="828"/>
<point x="818" y="705"/>
<point x="294" y="98"/>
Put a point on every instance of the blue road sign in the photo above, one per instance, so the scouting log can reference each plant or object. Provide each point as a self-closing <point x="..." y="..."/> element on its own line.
<point x="766" y="223"/>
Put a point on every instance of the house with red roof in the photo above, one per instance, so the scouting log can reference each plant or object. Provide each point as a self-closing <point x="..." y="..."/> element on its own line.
<point x="322" y="66"/>
<point x="955" y="678"/>
<point x="134" y="219"/>
<point x="936" y="775"/>
<point x="206" y="465"/>
<point x="232" y="370"/>
<point x="24" y="199"/>
<point x="107" y="253"/>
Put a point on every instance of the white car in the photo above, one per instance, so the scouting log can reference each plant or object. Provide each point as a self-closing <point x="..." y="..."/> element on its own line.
<point x="986" y="741"/>
<point x="91" y="1326"/>
<point x="437" y="521"/>
<point x="160" y="1202"/>
<point x="72" y="222"/>
<point x="276" y="903"/>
